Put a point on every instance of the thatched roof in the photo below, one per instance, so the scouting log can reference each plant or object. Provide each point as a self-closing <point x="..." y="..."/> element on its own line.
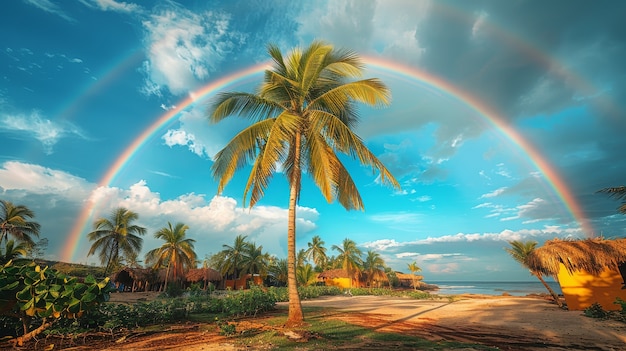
<point x="203" y="274"/>
<point x="334" y="273"/>
<point x="137" y="274"/>
<point x="591" y="255"/>
<point x="405" y="276"/>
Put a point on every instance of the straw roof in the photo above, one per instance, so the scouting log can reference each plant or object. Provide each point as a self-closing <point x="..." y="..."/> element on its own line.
<point x="137" y="274"/>
<point x="591" y="255"/>
<point x="334" y="273"/>
<point x="406" y="276"/>
<point x="203" y="274"/>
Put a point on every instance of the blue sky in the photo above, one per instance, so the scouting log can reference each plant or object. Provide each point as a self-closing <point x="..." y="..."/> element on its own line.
<point x="81" y="80"/>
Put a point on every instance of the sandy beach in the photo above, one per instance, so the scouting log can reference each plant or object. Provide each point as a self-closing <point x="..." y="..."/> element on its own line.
<point x="509" y="323"/>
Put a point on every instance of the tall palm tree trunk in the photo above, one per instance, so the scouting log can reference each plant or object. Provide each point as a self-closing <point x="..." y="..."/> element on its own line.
<point x="295" y="306"/>
<point x="554" y="295"/>
<point x="167" y="275"/>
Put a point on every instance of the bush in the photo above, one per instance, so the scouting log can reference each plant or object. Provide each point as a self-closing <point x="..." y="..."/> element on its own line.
<point x="595" y="311"/>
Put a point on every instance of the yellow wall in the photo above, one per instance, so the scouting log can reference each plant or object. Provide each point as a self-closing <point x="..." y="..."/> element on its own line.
<point x="582" y="289"/>
<point x="338" y="282"/>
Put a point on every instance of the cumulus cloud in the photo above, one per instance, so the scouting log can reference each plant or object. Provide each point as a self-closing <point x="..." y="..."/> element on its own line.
<point x="184" y="48"/>
<point x="213" y="221"/>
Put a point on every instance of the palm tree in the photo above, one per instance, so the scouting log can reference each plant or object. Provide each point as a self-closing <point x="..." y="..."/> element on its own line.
<point x="414" y="268"/>
<point x="278" y="271"/>
<point x="317" y="252"/>
<point x="374" y="267"/>
<point x="255" y="261"/>
<point x="618" y="193"/>
<point x="116" y="233"/>
<point x="13" y="251"/>
<point x="303" y="115"/>
<point x="177" y="253"/>
<point x="306" y="275"/>
<point x="350" y="258"/>
<point x="520" y="252"/>
<point x="233" y="257"/>
<point x="14" y="220"/>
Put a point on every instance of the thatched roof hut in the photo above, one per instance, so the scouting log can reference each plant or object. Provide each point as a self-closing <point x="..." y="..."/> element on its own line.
<point x="133" y="278"/>
<point x="195" y="275"/>
<point x="591" y="255"/>
<point x="410" y="277"/>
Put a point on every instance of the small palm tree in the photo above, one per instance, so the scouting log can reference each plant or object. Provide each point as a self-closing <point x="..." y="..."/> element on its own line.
<point x="374" y="267"/>
<point x="177" y="253"/>
<point x="303" y="116"/>
<point x="115" y="234"/>
<point x="414" y="268"/>
<point x="520" y="250"/>
<point x="317" y="252"/>
<point x="13" y="251"/>
<point x="14" y="221"/>
<point x="350" y="258"/>
<point x="233" y="257"/>
<point x="619" y="193"/>
<point x="255" y="261"/>
<point x="278" y="271"/>
<point x="306" y="275"/>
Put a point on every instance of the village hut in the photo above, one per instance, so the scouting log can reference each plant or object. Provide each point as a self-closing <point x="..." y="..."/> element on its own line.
<point x="203" y="276"/>
<point x="158" y="284"/>
<point x="409" y="280"/>
<point x="589" y="271"/>
<point x="339" y="278"/>
<point x="132" y="279"/>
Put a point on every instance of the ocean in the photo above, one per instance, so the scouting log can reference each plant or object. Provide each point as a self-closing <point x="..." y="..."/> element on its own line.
<point x="493" y="288"/>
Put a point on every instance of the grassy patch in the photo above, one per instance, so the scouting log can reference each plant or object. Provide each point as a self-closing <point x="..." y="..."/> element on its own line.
<point x="324" y="333"/>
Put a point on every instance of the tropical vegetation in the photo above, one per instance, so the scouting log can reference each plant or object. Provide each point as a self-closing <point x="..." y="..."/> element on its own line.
<point x="618" y="193"/>
<point x="114" y="234"/>
<point x="176" y="254"/>
<point x="303" y="116"/>
<point x="521" y="251"/>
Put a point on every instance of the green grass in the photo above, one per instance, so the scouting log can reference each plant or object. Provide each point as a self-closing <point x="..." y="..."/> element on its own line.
<point x="326" y="333"/>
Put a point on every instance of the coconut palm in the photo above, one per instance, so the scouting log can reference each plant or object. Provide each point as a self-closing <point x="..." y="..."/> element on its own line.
<point x="13" y="251"/>
<point x="303" y="116"/>
<point x="177" y="253"/>
<point x="520" y="251"/>
<point x="350" y="258"/>
<point x="115" y="234"/>
<point x="278" y="271"/>
<point x="618" y="193"/>
<point x="233" y="257"/>
<point x="414" y="268"/>
<point x="14" y="221"/>
<point x="255" y="261"/>
<point x="317" y="252"/>
<point x="306" y="275"/>
<point x="374" y="267"/>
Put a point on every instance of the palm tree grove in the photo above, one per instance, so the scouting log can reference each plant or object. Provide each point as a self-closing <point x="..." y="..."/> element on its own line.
<point x="300" y="123"/>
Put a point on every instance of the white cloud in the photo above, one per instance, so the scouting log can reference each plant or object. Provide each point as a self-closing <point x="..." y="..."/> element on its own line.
<point x="40" y="180"/>
<point x="112" y="5"/>
<point x="49" y="6"/>
<point x="180" y="137"/>
<point x="46" y="131"/>
<point x="494" y="193"/>
<point x="184" y="47"/>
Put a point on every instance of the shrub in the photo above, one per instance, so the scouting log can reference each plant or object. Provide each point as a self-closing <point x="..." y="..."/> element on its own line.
<point x="595" y="311"/>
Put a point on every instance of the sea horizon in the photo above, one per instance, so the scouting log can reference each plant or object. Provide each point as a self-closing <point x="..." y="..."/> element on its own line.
<point x="496" y="288"/>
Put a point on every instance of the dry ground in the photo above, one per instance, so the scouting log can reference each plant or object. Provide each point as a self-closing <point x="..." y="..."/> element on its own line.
<point x="508" y="323"/>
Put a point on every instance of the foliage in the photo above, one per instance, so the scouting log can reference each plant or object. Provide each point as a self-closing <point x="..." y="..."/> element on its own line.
<point x="14" y="221"/>
<point x="115" y="234"/>
<point x="29" y="292"/>
<point x="174" y="290"/>
<point x="177" y="253"/>
<point x="226" y="329"/>
<point x="595" y="311"/>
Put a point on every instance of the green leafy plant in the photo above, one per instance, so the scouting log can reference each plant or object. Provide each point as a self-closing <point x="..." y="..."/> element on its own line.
<point x="30" y="292"/>
<point x="595" y="311"/>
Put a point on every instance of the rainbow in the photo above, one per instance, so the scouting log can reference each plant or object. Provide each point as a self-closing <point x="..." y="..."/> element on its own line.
<point x="486" y="112"/>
